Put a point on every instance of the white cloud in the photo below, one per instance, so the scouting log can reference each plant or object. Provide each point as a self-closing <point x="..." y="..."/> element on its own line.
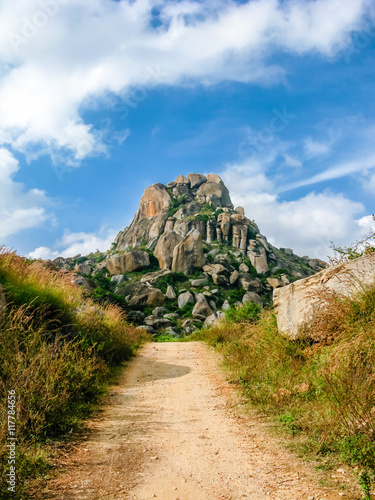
<point x="56" y="56"/>
<point x="292" y="161"/>
<point x="72" y="244"/>
<point x="308" y="224"/>
<point x="368" y="182"/>
<point x="19" y="209"/>
<point x="315" y="148"/>
<point x="368" y="223"/>
<point x="42" y="253"/>
<point x="364" y="161"/>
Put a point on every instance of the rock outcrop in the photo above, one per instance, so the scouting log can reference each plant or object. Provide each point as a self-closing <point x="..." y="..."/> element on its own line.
<point x="190" y="249"/>
<point x="165" y="247"/>
<point x="127" y="262"/>
<point x="167" y="214"/>
<point x="193" y="202"/>
<point x="149" y="221"/>
<point x="86" y="283"/>
<point x="141" y="295"/>
<point x="185" y="298"/>
<point x="188" y="254"/>
<point x="296" y="304"/>
<point x="202" y="310"/>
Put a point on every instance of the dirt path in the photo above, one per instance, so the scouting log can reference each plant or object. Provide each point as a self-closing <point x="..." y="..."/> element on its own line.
<point x="170" y="432"/>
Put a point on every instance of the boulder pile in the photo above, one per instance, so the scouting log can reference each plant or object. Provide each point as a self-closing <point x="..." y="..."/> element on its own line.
<point x="187" y="256"/>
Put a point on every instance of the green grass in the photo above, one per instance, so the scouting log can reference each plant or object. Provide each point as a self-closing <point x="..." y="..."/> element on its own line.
<point x="169" y="338"/>
<point x="247" y="313"/>
<point x="58" y="350"/>
<point x="322" y="394"/>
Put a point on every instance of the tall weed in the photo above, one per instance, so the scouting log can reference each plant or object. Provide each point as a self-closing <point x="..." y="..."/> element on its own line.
<point x="57" y="350"/>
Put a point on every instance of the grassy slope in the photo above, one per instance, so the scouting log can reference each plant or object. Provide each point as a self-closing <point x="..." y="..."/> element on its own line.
<point x="323" y="394"/>
<point x="57" y="351"/>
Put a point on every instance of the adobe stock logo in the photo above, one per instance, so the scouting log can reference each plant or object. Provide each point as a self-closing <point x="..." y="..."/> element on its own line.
<point x="30" y="26"/>
<point x="267" y="135"/>
<point x="360" y="40"/>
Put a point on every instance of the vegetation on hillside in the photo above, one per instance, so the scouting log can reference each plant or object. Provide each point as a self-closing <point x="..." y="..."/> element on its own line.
<point x="365" y="246"/>
<point x="58" y="349"/>
<point x="322" y="393"/>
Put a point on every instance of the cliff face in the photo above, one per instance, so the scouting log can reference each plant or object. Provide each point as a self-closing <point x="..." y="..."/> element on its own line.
<point x="195" y="202"/>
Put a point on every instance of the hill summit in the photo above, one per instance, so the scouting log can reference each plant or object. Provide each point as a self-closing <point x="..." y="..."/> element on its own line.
<point x="197" y="208"/>
<point x="188" y="256"/>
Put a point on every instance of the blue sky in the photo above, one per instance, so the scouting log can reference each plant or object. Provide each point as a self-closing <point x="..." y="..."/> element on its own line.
<point x="99" y="99"/>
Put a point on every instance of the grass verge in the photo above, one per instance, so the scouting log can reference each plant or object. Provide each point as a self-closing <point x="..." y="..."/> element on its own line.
<point x="321" y="393"/>
<point x="58" y="352"/>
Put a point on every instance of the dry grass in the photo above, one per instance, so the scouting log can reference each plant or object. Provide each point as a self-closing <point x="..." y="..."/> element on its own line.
<point x="323" y="392"/>
<point x="57" y="350"/>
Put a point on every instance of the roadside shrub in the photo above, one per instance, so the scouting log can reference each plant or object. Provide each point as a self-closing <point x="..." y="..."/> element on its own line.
<point x="320" y="388"/>
<point x="249" y="313"/>
<point x="57" y="351"/>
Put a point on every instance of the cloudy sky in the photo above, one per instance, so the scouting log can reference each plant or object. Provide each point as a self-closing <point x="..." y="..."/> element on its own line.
<point x="101" y="98"/>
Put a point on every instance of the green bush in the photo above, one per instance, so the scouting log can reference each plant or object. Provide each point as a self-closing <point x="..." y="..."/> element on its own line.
<point x="176" y="203"/>
<point x="206" y="213"/>
<point x="249" y="313"/>
<point x="236" y="295"/>
<point x="252" y="271"/>
<point x="78" y="261"/>
<point x="187" y="310"/>
<point x="171" y="279"/>
<point x="57" y="350"/>
<point x="322" y="392"/>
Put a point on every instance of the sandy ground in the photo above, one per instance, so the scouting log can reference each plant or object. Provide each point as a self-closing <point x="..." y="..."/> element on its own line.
<point x="172" y="431"/>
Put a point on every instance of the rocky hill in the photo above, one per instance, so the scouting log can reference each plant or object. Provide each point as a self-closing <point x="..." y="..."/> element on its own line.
<point x="188" y="256"/>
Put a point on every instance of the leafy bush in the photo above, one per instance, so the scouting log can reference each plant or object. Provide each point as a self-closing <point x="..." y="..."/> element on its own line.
<point x="175" y="205"/>
<point x="187" y="310"/>
<point x="249" y="312"/>
<point x="78" y="261"/>
<point x="279" y="272"/>
<point x="236" y="295"/>
<point x="365" y="246"/>
<point x="167" y="338"/>
<point x="206" y="213"/>
<point x="252" y="271"/>
<point x="171" y="279"/>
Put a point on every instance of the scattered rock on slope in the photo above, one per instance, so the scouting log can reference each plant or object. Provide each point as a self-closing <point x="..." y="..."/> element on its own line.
<point x="186" y="236"/>
<point x="127" y="262"/>
<point x="165" y="247"/>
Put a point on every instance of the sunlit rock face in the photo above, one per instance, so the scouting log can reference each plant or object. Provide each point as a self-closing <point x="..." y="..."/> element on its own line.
<point x="200" y="204"/>
<point x="155" y="199"/>
<point x="195" y="202"/>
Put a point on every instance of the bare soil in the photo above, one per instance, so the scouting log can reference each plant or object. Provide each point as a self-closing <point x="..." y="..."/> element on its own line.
<point x="173" y="430"/>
